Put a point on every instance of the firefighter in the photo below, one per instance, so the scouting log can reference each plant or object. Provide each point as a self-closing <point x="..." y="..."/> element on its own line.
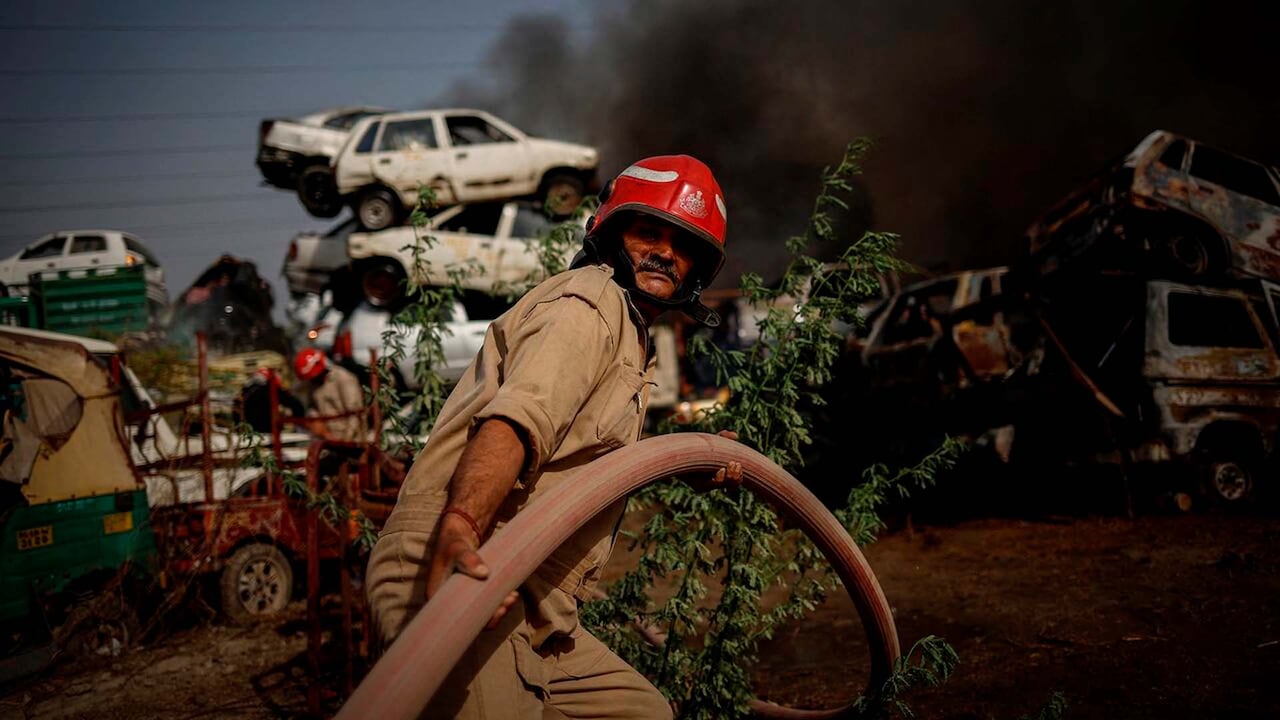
<point x="562" y="378"/>
<point x="254" y="403"/>
<point x="335" y="391"/>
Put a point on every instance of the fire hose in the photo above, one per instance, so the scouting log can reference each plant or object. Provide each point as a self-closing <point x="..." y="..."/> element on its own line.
<point x="412" y="669"/>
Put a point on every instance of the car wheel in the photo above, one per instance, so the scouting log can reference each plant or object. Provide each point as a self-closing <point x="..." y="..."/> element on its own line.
<point x="1230" y="481"/>
<point x="257" y="582"/>
<point x="378" y="209"/>
<point x="318" y="192"/>
<point x="383" y="283"/>
<point x="563" y="193"/>
<point x="1194" y="255"/>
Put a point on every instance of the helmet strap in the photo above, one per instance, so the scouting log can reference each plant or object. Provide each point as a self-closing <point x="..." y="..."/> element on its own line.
<point x="686" y="301"/>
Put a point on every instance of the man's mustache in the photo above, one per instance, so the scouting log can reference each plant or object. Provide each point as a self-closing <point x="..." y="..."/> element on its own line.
<point x="651" y="264"/>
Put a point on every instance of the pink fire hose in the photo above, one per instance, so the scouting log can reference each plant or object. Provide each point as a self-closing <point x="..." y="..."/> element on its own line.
<point x="412" y="669"/>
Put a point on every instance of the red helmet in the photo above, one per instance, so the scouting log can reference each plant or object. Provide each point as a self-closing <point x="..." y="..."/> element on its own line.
<point x="678" y="189"/>
<point x="309" y="363"/>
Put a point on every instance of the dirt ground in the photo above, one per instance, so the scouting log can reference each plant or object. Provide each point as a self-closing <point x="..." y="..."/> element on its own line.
<point x="1159" y="617"/>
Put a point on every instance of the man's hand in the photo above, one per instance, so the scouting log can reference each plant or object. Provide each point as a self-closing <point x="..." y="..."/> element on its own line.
<point x="455" y="551"/>
<point x="729" y="476"/>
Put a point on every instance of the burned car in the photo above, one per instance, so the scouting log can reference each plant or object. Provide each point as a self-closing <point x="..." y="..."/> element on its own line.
<point x="1174" y="207"/>
<point x="231" y="304"/>
<point x="1108" y="367"/>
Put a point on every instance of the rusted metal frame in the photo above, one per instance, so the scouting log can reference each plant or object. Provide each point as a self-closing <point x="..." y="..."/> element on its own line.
<point x="344" y="579"/>
<point x="313" y="575"/>
<point x="313" y="581"/>
<point x="375" y="417"/>
<point x="402" y="683"/>
<point x="206" y="415"/>
<point x="145" y="413"/>
<point x="1078" y="373"/>
<point x="273" y="389"/>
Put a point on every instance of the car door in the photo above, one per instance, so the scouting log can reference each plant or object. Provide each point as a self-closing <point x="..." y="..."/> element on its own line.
<point x="518" y="260"/>
<point x="89" y="250"/>
<point x="407" y="156"/>
<point x="1197" y="334"/>
<point x="467" y="238"/>
<point x="1239" y="197"/>
<point x="44" y="254"/>
<point x="487" y="161"/>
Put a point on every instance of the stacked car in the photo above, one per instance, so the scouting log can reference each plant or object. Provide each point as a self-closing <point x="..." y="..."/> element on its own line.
<point x="490" y="192"/>
<point x="379" y="163"/>
<point x="1148" y="298"/>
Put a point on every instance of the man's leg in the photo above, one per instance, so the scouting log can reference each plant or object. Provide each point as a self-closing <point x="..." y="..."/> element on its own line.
<point x="588" y="681"/>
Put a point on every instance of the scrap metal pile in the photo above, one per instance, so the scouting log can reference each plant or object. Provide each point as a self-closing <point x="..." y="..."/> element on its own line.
<point x="1140" y="328"/>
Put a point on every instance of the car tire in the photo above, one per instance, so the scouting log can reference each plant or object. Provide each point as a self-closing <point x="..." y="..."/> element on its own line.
<point x="256" y="583"/>
<point x="4" y="290"/>
<point x="378" y="209"/>
<point x="1229" y="481"/>
<point x="318" y="192"/>
<point x="562" y="193"/>
<point x="1191" y="254"/>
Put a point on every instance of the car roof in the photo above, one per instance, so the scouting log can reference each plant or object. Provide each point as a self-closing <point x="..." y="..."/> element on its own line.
<point x="437" y="111"/>
<point x="79" y="231"/>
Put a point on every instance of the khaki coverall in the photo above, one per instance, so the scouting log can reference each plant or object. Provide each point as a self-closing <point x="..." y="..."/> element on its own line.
<point x="568" y="364"/>
<point x="338" y="393"/>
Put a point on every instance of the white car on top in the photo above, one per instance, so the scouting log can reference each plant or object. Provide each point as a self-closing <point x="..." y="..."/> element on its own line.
<point x="465" y="156"/>
<point x="81" y="250"/>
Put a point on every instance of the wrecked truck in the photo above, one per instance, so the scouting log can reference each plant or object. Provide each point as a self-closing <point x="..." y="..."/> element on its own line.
<point x="1109" y="368"/>
<point x="1172" y="207"/>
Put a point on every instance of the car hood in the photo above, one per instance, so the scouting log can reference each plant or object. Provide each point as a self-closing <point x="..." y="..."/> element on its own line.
<point x="583" y="156"/>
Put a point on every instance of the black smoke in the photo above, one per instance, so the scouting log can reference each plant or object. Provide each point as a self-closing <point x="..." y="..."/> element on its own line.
<point x="983" y="112"/>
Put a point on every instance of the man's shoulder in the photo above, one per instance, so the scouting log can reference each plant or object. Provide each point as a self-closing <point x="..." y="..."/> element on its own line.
<point x="593" y="284"/>
<point x="339" y="373"/>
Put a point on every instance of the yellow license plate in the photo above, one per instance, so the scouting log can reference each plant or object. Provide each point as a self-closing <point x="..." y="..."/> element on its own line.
<point x="117" y="523"/>
<point x="35" y="537"/>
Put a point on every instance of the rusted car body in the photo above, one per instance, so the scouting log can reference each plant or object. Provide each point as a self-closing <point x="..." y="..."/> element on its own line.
<point x="1172" y="206"/>
<point x="950" y="325"/>
<point x="1119" y="369"/>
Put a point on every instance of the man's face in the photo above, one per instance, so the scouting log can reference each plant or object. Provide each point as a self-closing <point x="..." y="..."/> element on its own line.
<point x="660" y="252"/>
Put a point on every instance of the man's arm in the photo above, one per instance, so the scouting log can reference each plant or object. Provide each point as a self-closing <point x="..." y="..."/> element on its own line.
<point x="486" y="472"/>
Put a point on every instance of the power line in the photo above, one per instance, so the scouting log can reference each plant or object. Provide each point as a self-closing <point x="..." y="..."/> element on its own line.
<point x="194" y="149"/>
<point x="130" y="117"/>
<point x="289" y="28"/>
<point x="263" y="70"/>
<point x="123" y="178"/>
<point x="263" y="222"/>
<point x="194" y="200"/>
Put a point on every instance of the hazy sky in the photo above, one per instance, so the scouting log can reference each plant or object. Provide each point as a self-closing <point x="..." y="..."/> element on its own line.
<point x="143" y="116"/>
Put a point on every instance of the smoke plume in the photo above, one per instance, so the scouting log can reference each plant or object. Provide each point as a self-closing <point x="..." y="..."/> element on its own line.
<point x="984" y="113"/>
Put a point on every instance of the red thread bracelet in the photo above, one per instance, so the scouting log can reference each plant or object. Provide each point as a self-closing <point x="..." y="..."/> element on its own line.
<point x="475" y="526"/>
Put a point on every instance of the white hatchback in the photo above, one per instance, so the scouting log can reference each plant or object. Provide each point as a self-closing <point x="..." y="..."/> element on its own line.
<point x="78" y="250"/>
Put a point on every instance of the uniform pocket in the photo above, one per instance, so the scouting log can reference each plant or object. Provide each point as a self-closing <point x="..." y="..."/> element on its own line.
<point x="619" y="423"/>
<point x="530" y="666"/>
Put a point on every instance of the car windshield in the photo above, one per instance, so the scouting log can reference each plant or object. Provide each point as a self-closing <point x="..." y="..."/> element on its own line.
<point x="346" y="120"/>
<point x="49" y="248"/>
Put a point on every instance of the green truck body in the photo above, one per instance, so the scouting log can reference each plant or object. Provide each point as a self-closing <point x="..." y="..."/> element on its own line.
<point x="93" y="302"/>
<point x="47" y="548"/>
